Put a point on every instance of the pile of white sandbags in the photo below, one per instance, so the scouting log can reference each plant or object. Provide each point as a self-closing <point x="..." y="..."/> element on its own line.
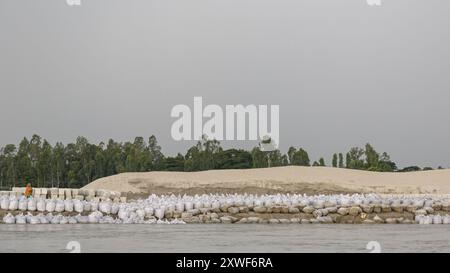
<point x="433" y="219"/>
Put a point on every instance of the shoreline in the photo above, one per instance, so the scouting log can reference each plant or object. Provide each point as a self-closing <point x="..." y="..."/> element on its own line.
<point x="241" y="209"/>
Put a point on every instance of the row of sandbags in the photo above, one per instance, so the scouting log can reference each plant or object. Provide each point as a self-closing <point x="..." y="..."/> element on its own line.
<point x="93" y="218"/>
<point x="50" y="205"/>
<point x="186" y="203"/>
<point x="432" y="219"/>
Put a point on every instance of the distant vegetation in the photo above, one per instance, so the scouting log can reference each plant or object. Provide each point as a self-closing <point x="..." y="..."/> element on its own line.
<point x="77" y="164"/>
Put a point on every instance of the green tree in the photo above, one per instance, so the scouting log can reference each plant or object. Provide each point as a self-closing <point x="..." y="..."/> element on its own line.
<point x="45" y="164"/>
<point x="155" y="155"/>
<point x="174" y="164"/>
<point x="355" y="158"/>
<point x="24" y="170"/>
<point x="234" y="159"/>
<point x="10" y="151"/>
<point x="59" y="164"/>
<point x="291" y="153"/>
<point x="372" y="158"/>
<point x="341" y="160"/>
<point x="259" y="158"/>
<point x="300" y="158"/>
<point x="321" y="162"/>
<point x="335" y="161"/>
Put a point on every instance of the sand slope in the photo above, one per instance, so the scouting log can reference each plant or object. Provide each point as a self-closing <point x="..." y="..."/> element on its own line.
<point x="310" y="180"/>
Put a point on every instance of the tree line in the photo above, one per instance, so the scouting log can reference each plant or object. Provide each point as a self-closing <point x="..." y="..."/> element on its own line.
<point x="76" y="164"/>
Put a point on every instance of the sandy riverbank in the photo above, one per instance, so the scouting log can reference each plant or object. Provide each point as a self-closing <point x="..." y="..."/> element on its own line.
<point x="292" y="179"/>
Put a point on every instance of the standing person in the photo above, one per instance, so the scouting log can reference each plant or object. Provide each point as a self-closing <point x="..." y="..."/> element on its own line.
<point x="28" y="191"/>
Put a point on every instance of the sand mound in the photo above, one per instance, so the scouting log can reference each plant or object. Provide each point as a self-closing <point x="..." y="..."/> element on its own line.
<point x="310" y="180"/>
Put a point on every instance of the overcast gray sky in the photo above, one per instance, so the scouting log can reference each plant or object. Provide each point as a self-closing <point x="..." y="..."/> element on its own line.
<point x="343" y="73"/>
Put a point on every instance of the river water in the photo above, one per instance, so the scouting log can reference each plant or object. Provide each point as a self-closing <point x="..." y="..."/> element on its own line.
<point x="225" y="238"/>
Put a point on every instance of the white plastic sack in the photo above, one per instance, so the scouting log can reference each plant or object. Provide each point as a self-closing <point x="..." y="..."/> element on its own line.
<point x="159" y="213"/>
<point x="9" y="219"/>
<point x="123" y="213"/>
<point x="115" y="208"/>
<point x="189" y="206"/>
<point x="23" y="204"/>
<point x="55" y="220"/>
<point x="13" y="204"/>
<point x="87" y="206"/>
<point x="64" y="220"/>
<point x="20" y="219"/>
<point x="78" y="206"/>
<point x="50" y="206"/>
<point x="94" y="206"/>
<point x="446" y="219"/>
<point x="59" y="206"/>
<point x="4" y="204"/>
<point x="215" y="205"/>
<point x="40" y="205"/>
<point x="68" y="205"/>
<point x="43" y="220"/>
<point x="140" y="213"/>
<point x="32" y="205"/>
<point x="105" y="207"/>
<point x="34" y="220"/>
<point x="179" y="207"/>
<point x="437" y="219"/>
<point x="148" y="212"/>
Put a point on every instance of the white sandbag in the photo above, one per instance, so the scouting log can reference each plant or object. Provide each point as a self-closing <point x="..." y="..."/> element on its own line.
<point x="68" y="206"/>
<point x="149" y="212"/>
<point x="59" y="206"/>
<point x="159" y="213"/>
<point x="13" y="204"/>
<point x="28" y="217"/>
<point x="64" y="221"/>
<point x="123" y="213"/>
<point x="20" y="219"/>
<point x="4" y="204"/>
<point x="419" y="203"/>
<point x="105" y="207"/>
<point x="198" y="205"/>
<point x="9" y="219"/>
<point x="446" y="219"/>
<point x="179" y="207"/>
<point x="43" y="220"/>
<point x="171" y="207"/>
<point x="32" y="205"/>
<point x="115" y="208"/>
<point x="78" y="206"/>
<point x="82" y="219"/>
<point x="215" y="205"/>
<point x="23" y="204"/>
<point x="94" y="206"/>
<point x="189" y="206"/>
<point x="437" y="219"/>
<point x="34" y="220"/>
<point x="40" y="205"/>
<point x="95" y="217"/>
<point x="50" y="205"/>
<point x="87" y="206"/>
<point x="140" y="213"/>
<point x="73" y="220"/>
<point x="56" y="220"/>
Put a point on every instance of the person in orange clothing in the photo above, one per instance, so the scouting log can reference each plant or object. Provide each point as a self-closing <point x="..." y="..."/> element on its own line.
<point x="28" y="191"/>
